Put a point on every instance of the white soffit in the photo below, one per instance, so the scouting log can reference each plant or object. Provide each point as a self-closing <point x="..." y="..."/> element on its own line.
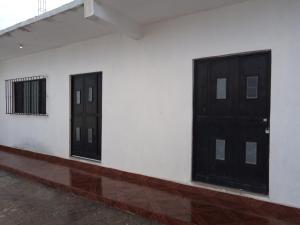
<point x="86" y="19"/>
<point x="151" y="11"/>
<point x="59" y="27"/>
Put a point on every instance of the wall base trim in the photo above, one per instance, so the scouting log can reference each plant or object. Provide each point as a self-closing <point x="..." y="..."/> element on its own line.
<point x="160" y="184"/>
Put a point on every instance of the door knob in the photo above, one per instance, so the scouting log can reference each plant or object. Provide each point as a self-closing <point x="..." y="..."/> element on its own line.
<point x="265" y="120"/>
<point x="267" y="130"/>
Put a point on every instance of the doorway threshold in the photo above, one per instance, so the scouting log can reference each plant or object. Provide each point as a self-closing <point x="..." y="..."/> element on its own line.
<point x="232" y="191"/>
<point x="84" y="159"/>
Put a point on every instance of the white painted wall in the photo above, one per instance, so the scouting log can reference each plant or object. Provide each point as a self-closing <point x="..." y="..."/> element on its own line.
<point x="147" y="91"/>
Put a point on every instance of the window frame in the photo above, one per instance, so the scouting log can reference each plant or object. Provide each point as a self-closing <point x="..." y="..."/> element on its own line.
<point x="34" y="95"/>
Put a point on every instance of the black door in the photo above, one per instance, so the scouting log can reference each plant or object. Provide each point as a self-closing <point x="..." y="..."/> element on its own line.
<point x="86" y="115"/>
<point x="231" y="121"/>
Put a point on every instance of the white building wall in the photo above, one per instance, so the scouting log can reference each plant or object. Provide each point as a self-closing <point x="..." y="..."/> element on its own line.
<point x="147" y="91"/>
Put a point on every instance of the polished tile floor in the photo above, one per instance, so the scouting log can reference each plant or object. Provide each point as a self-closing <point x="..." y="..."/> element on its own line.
<point x="168" y="207"/>
<point x="23" y="202"/>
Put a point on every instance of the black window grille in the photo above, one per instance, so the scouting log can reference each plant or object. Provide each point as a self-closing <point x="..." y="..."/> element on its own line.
<point x="26" y="96"/>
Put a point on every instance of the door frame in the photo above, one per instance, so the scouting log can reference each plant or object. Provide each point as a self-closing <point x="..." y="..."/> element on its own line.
<point x="269" y="75"/>
<point x="100" y="92"/>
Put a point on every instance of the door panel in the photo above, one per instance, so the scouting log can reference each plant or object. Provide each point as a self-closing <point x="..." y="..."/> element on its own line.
<point x="253" y="164"/>
<point x="220" y="142"/>
<point x="254" y="91"/>
<point x="231" y="116"/>
<point x="221" y="88"/>
<point x="86" y="115"/>
<point x="91" y="141"/>
<point x="77" y="93"/>
<point x="91" y="97"/>
<point x="77" y="134"/>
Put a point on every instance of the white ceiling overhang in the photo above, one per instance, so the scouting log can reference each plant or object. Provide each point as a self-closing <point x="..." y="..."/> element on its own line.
<point x="86" y="19"/>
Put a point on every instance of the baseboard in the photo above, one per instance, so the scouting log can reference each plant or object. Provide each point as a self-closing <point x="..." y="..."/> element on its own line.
<point x="139" y="179"/>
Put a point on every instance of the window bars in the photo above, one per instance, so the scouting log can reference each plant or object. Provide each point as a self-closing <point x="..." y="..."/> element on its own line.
<point x="26" y="96"/>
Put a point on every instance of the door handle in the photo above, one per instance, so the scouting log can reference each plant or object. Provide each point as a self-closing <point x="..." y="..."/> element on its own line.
<point x="267" y="130"/>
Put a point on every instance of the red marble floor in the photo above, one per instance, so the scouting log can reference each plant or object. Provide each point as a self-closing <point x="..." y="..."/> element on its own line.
<point x="168" y="206"/>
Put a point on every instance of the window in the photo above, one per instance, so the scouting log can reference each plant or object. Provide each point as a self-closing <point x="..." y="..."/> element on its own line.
<point x="78" y="134"/>
<point x="90" y="94"/>
<point x="78" y="97"/>
<point x="90" y="135"/>
<point x="220" y="149"/>
<point x="251" y="153"/>
<point x="221" y="88"/>
<point x="252" y="87"/>
<point x="26" y="96"/>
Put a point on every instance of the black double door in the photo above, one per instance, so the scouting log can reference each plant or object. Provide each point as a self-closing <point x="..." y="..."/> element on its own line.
<point x="231" y="121"/>
<point x="86" y="115"/>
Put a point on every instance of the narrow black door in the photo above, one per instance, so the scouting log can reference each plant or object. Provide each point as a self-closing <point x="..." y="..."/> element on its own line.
<point x="86" y="115"/>
<point x="231" y="121"/>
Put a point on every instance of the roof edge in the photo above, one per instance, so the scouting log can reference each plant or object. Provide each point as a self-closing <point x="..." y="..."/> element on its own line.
<point x="48" y="14"/>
